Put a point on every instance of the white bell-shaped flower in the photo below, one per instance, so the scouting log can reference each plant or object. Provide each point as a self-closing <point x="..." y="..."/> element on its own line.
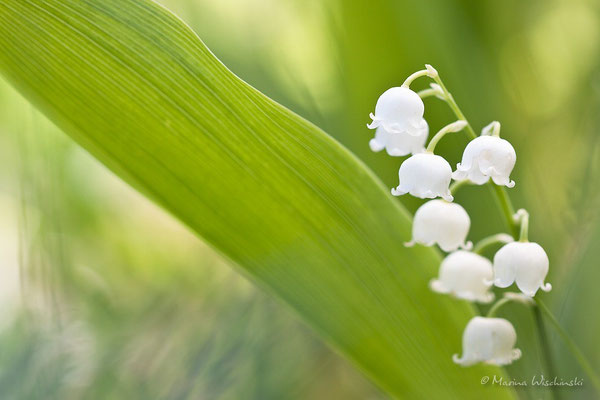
<point x="465" y="275"/>
<point x="488" y="340"/>
<point x="442" y="223"/>
<point x="487" y="157"/>
<point x="399" y="110"/>
<point x="426" y="176"/>
<point x="402" y="143"/>
<point x="525" y="263"/>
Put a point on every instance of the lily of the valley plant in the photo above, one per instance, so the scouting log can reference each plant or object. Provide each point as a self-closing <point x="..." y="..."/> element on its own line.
<point x="401" y="130"/>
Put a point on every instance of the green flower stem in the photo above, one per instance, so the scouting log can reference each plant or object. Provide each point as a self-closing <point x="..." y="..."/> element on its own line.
<point x="452" y="104"/>
<point x="455" y="126"/>
<point x="508" y="211"/>
<point x="496" y="129"/>
<point x="508" y="297"/>
<point x="492" y="312"/>
<point x="579" y="356"/>
<point x="524" y="224"/>
<point x="546" y="349"/>
<point x="427" y="93"/>
<point x="414" y="76"/>
<point x="491" y="240"/>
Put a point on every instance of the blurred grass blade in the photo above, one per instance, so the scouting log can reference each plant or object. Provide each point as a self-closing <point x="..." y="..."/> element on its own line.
<point x="301" y="215"/>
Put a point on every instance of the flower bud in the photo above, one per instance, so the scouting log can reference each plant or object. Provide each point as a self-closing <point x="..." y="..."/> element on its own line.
<point x="426" y="176"/>
<point x="465" y="275"/>
<point x="488" y="340"/>
<point x="403" y="143"/>
<point x="525" y="263"/>
<point x="438" y="221"/>
<point x="487" y="157"/>
<point x="431" y="72"/>
<point x="398" y="110"/>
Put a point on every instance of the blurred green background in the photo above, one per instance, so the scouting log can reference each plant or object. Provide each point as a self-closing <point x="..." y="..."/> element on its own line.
<point x="105" y="296"/>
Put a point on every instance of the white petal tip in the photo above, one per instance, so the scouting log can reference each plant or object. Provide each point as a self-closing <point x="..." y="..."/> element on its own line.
<point x="510" y="184"/>
<point x="397" y="192"/>
<point x="375" y="145"/>
<point x="448" y="197"/>
<point x="487" y="298"/>
<point x="410" y="244"/>
<point x="437" y="286"/>
<point x="376" y="122"/>
<point x="467" y="246"/>
<point x="516" y="354"/>
<point x="460" y="361"/>
<point x="546" y="287"/>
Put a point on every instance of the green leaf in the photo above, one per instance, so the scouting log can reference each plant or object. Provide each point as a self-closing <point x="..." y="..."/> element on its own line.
<point x="296" y="211"/>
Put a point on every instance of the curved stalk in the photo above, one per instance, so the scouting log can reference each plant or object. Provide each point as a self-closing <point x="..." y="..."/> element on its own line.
<point x="455" y="126"/>
<point x="508" y="297"/>
<point x="492" y="240"/>
<point x="454" y="107"/>
<point x="414" y="76"/>
<point x="492" y="312"/>
<point x="456" y="185"/>
<point x="523" y="217"/>
<point x="427" y="93"/>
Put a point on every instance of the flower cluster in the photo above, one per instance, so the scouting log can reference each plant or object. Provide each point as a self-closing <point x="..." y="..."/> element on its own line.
<point x="401" y="130"/>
